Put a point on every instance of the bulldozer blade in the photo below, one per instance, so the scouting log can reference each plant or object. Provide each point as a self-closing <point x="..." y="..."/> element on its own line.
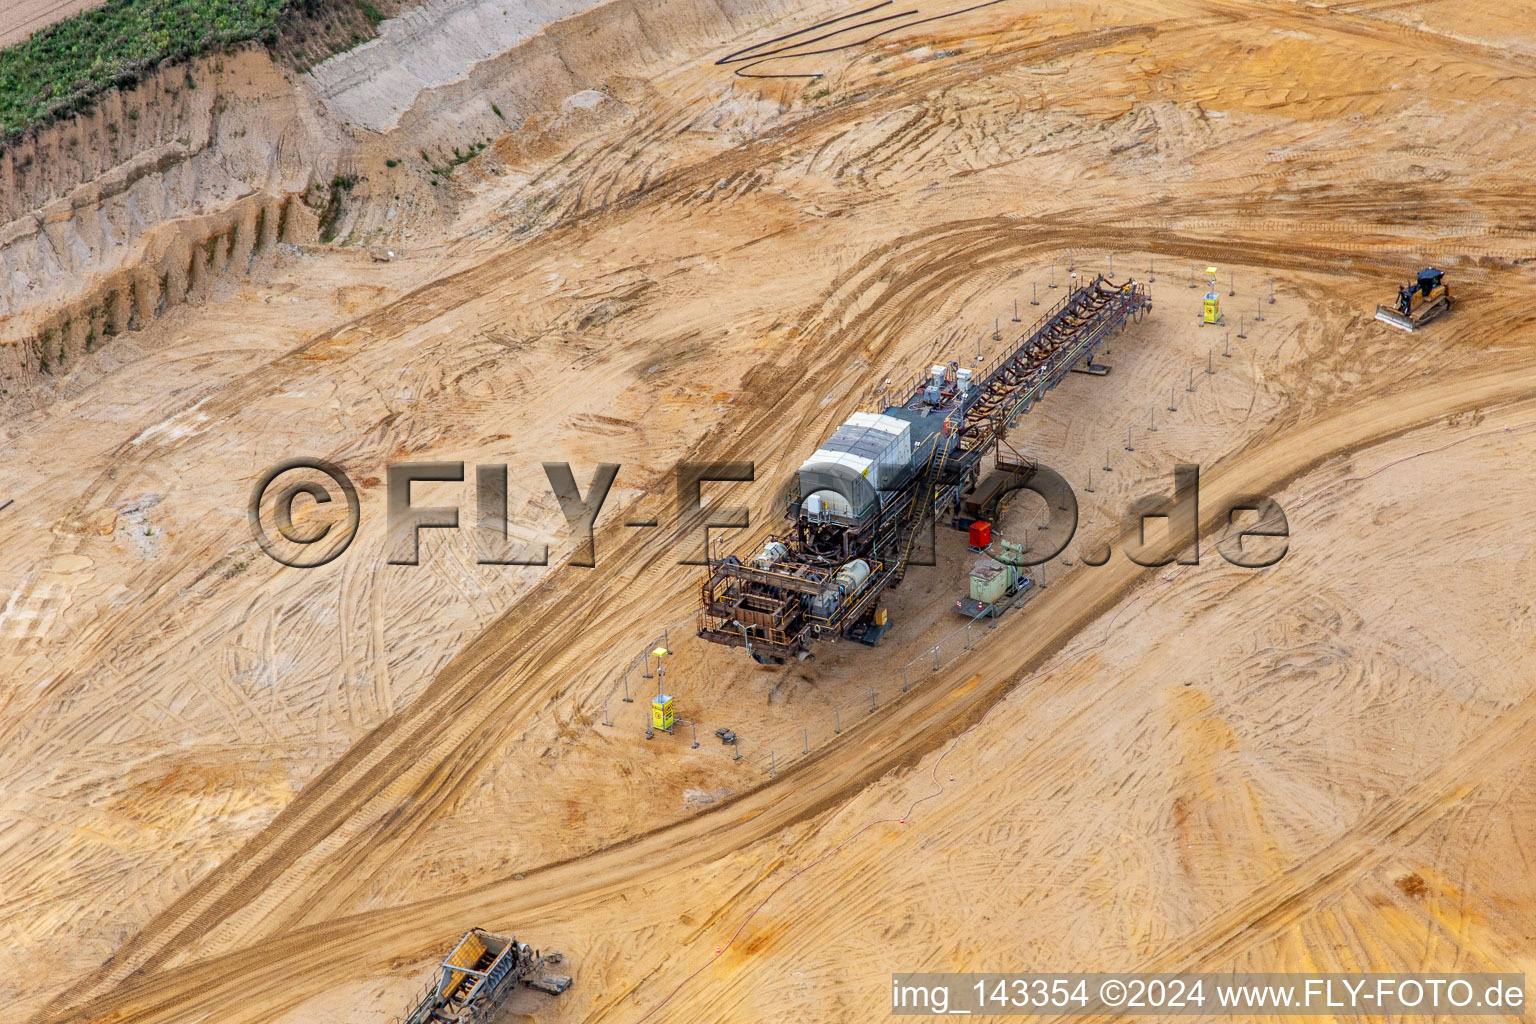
<point x="1388" y="315"/>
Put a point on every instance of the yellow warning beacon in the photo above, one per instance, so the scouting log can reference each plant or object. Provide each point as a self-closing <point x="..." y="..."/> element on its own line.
<point x="1212" y="313"/>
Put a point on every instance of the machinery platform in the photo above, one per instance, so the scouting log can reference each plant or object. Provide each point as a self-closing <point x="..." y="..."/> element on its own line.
<point x="972" y="608"/>
<point x="860" y="506"/>
<point x="551" y="984"/>
<point x="867" y="633"/>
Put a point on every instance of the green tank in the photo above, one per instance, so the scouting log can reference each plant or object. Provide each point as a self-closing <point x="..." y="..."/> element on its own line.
<point x="992" y="580"/>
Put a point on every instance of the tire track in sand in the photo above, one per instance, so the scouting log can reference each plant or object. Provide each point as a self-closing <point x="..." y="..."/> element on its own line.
<point x="393" y="774"/>
<point x="251" y="983"/>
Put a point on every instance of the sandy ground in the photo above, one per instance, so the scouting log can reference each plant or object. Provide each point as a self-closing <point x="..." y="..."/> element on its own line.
<point x="24" y="17"/>
<point x="236" y="792"/>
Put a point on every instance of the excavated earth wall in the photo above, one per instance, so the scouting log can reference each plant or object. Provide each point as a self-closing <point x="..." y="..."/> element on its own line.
<point x="195" y="175"/>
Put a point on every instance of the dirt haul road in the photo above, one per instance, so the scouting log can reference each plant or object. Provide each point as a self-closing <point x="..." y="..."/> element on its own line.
<point x="25" y="17"/>
<point x="308" y="863"/>
<point x="825" y="241"/>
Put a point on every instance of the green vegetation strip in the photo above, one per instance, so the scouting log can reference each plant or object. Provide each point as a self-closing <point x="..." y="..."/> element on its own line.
<point x="64" y="68"/>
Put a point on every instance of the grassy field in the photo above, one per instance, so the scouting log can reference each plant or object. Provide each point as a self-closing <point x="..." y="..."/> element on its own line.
<point x="65" y="67"/>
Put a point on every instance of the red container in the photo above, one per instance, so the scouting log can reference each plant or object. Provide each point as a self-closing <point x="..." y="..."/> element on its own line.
<point x="981" y="534"/>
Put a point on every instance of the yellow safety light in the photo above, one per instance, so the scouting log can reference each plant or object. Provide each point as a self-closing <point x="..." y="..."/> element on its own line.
<point x="661" y="712"/>
<point x="661" y="652"/>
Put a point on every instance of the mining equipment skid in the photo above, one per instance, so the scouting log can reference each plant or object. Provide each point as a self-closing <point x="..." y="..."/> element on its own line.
<point x="478" y="974"/>
<point x="857" y="506"/>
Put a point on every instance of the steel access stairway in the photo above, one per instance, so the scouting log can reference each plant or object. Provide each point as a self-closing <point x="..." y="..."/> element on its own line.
<point x="922" y="505"/>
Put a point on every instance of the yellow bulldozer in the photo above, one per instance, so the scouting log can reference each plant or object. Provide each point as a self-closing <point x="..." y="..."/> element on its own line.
<point x="1419" y="302"/>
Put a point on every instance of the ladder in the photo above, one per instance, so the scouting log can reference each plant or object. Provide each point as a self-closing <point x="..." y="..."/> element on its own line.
<point x="922" y="504"/>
